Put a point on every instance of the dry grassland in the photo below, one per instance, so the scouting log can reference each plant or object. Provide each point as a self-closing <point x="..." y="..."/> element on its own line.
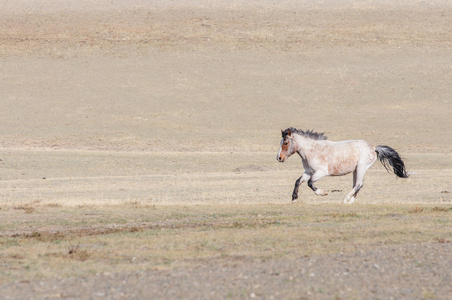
<point x="138" y="144"/>
<point x="40" y="241"/>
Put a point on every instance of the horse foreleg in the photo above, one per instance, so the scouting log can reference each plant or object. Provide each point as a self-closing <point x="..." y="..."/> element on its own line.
<point x="303" y="178"/>
<point x="316" y="176"/>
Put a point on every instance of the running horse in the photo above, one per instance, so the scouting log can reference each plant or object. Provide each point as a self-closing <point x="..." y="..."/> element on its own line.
<point x="322" y="157"/>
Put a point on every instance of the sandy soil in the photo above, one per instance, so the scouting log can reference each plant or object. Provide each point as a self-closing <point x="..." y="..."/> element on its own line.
<point x="403" y="272"/>
<point x="183" y="101"/>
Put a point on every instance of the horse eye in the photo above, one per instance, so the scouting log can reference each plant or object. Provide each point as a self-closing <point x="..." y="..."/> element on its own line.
<point x="286" y="143"/>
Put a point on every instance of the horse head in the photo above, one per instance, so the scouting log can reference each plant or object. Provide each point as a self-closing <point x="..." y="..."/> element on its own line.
<point x="288" y="145"/>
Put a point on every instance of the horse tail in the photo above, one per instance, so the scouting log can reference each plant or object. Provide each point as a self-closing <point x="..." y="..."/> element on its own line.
<point x="389" y="157"/>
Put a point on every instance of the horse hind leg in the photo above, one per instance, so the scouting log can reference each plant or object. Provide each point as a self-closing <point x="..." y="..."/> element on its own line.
<point x="352" y="196"/>
<point x="358" y="180"/>
<point x="358" y="176"/>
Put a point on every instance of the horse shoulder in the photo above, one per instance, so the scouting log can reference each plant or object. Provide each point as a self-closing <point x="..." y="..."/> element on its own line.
<point x="317" y="155"/>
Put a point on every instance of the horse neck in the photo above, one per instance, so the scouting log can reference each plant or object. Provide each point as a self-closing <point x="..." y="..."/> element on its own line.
<point x="304" y="144"/>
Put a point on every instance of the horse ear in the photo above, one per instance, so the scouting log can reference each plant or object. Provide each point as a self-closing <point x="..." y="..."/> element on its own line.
<point x="289" y="133"/>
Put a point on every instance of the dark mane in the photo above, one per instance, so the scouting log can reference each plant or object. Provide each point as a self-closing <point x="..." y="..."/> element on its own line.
<point x="308" y="133"/>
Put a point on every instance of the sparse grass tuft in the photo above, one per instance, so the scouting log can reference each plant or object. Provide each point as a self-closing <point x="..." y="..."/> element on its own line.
<point x="442" y="240"/>
<point x="441" y="209"/>
<point x="345" y="215"/>
<point x="133" y="203"/>
<point x="76" y="253"/>
<point x="26" y="207"/>
<point x="416" y="210"/>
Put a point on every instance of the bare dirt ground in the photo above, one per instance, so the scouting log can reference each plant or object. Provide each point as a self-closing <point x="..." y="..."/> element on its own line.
<point x="127" y="103"/>
<point x="406" y="272"/>
<point x="226" y="251"/>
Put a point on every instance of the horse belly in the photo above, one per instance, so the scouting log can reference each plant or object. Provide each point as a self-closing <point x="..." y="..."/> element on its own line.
<point x="342" y="167"/>
<point x="342" y="163"/>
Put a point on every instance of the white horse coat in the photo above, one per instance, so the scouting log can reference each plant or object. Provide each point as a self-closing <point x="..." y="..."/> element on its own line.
<point x="321" y="158"/>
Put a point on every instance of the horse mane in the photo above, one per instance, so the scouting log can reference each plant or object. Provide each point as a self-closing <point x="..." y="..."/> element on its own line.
<point x="308" y="133"/>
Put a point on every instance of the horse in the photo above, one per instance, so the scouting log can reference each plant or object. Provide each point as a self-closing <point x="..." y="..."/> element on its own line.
<point x="322" y="157"/>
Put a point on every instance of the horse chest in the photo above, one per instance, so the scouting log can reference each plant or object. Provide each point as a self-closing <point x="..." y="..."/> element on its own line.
<point x="309" y="166"/>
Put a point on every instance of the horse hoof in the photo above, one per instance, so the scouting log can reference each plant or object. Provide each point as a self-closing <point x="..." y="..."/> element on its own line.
<point x="294" y="201"/>
<point x="348" y="201"/>
<point x="320" y="192"/>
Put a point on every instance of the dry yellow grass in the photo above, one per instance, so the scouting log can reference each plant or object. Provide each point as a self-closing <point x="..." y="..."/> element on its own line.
<point x="44" y="242"/>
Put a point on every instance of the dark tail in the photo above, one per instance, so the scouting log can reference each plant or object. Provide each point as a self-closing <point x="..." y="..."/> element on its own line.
<point x="389" y="157"/>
